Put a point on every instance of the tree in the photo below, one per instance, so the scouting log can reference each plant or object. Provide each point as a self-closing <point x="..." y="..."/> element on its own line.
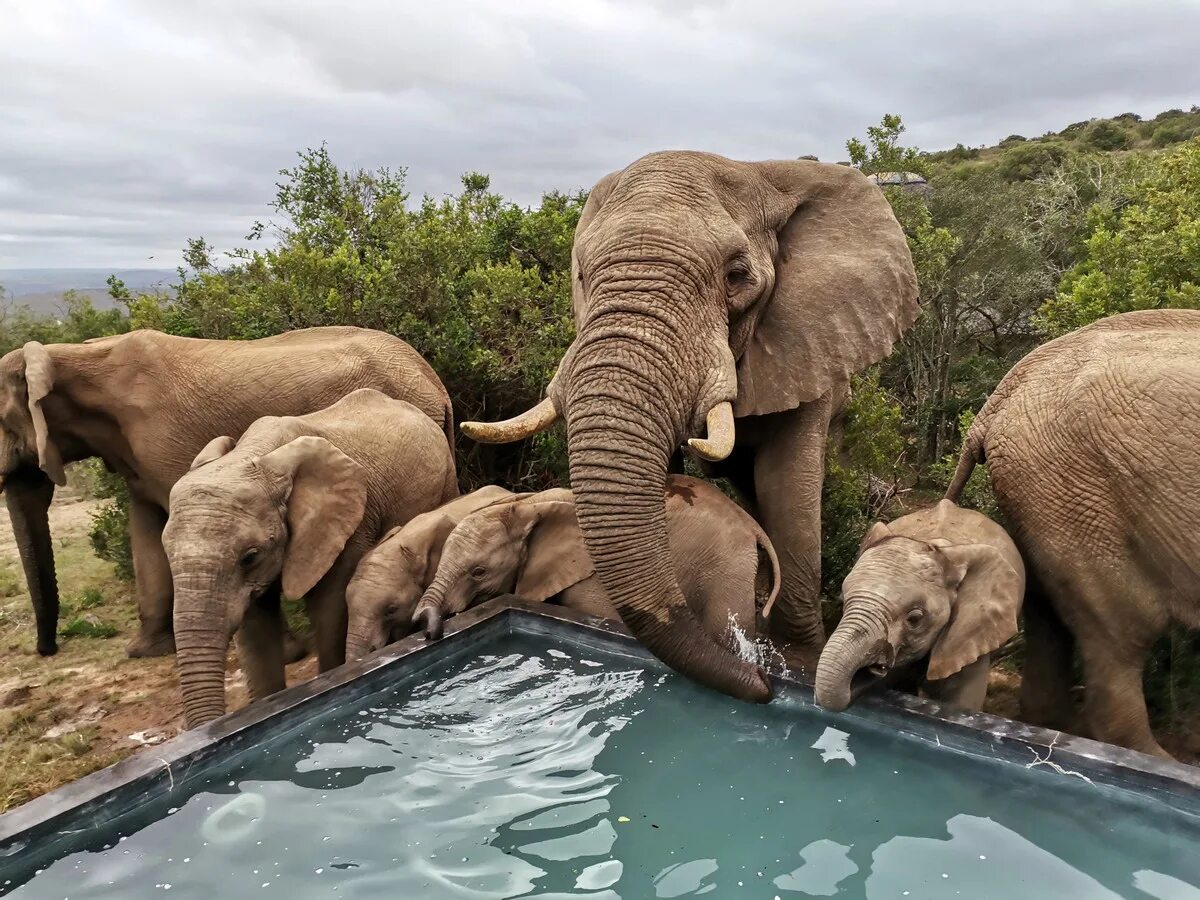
<point x="1144" y="254"/>
<point x="881" y="152"/>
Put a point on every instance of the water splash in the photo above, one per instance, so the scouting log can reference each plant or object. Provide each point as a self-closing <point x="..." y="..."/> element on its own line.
<point x="757" y="651"/>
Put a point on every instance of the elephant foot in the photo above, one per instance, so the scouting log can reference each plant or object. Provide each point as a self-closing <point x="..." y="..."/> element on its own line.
<point x="47" y="648"/>
<point x="147" y="645"/>
<point x="295" y="648"/>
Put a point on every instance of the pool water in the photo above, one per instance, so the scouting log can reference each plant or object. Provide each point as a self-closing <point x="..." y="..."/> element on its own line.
<point x="535" y="771"/>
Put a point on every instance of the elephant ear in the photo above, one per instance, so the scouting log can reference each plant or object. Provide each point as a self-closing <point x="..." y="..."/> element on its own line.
<point x="555" y="557"/>
<point x="876" y="533"/>
<point x="845" y="289"/>
<point x="39" y="382"/>
<point x="987" y="600"/>
<point x="326" y="497"/>
<point x="213" y="450"/>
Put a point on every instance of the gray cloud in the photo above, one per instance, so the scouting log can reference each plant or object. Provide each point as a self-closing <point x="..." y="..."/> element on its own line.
<point x="127" y="126"/>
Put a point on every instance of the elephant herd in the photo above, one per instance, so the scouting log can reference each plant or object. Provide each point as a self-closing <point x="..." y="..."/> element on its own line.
<point x="720" y="306"/>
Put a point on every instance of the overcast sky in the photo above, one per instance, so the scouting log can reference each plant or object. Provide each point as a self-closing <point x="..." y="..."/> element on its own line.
<point x="127" y="126"/>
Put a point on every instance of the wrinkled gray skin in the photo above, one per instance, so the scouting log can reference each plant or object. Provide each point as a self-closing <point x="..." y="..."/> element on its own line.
<point x="532" y="546"/>
<point x="390" y="579"/>
<point x="700" y="281"/>
<point x="146" y="403"/>
<point x="1092" y="442"/>
<point x="290" y="509"/>
<point x="930" y="597"/>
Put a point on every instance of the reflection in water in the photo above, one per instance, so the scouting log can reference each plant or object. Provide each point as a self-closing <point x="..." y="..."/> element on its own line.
<point x="537" y="773"/>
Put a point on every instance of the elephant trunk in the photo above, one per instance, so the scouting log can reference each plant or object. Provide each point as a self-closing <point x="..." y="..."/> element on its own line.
<point x="364" y="634"/>
<point x="28" y="495"/>
<point x="860" y="640"/>
<point x="623" y="424"/>
<point x="431" y="612"/>
<point x="202" y="644"/>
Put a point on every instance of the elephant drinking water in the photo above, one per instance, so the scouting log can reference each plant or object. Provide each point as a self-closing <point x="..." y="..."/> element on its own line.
<point x="708" y="292"/>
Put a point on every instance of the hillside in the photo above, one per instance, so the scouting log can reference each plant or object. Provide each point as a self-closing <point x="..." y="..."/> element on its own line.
<point x="42" y="289"/>
<point x="1019" y="158"/>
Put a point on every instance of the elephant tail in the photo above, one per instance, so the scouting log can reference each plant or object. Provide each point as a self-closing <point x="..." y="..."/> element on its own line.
<point x="970" y="456"/>
<point x="767" y="580"/>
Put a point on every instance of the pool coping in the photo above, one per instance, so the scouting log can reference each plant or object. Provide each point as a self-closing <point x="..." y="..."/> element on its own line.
<point x="144" y="775"/>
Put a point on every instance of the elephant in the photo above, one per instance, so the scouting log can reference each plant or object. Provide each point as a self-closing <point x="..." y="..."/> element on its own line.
<point x="288" y="511"/>
<point x="146" y="403"/>
<point x="931" y="596"/>
<point x="708" y="292"/>
<point x="1092" y="444"/>
<point x="533" y="547"/>
<point x="390" y="579"/>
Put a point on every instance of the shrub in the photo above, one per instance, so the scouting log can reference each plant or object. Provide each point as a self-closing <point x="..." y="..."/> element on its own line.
<point x="1023" y="162"/>
<point x="109" y="532"/>
<point x="1105" y="134"/>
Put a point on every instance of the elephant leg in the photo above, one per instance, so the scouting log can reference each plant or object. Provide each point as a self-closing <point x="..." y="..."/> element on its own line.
<point x="28" y="496"/>
<point x="788" y="472"/>
<point x="326" y="605"/>
<point x="1048" y="673"/>
<point x="152" y="572"/>
<point x="965" y="689"/>
<point x="1115" y="703"/>
<point x="260" y="646"/>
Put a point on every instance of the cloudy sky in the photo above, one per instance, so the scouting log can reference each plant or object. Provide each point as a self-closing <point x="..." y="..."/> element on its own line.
<point x="127" y="126"/>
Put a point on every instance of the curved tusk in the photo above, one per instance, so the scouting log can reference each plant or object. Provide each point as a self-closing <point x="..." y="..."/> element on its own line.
<point x="719" y="443"/>
<point x="525" y="425"/>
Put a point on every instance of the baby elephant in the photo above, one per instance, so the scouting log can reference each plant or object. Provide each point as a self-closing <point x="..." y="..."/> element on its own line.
<point x="290" y="508"/>
<point x="384" y="591"/>
<point x="532" y="546"/>
<point x="930" y="597"/>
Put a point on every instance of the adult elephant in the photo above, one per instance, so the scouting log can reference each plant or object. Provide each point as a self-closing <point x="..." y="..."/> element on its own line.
<point x="146" y="403"/>
<point x="706" y="290"/>
<point x="1092" y="442"/>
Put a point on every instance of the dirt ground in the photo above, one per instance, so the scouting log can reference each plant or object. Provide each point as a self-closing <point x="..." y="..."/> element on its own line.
<point x="89" y="706"/>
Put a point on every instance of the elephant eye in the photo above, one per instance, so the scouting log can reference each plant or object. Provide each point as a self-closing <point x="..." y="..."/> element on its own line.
<point x="248" y="558"/>
<point x="478" y="572"/>
<point x="738" y="275"/>
<point x="914" y="618"/>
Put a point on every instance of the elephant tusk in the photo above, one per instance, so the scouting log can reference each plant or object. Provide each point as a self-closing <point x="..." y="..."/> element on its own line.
<point x="525" y="425"/>
<point x="719" y="442"/>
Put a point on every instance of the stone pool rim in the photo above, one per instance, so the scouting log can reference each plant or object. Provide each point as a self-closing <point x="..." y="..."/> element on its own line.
<point x="143" y="776"/>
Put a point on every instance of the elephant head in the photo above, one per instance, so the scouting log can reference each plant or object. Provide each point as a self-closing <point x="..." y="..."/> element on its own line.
<point x="906" y="600"/>
<point x="391" y="578"/>
<point x="531" y="547"/>
<point x="239" y="522"/>
<point x="705" y="288"/>
<point x="31" y="463"/>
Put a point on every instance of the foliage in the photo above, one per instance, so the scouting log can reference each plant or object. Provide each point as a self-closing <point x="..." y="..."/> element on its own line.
<point x="1021" y="162"/>
<point x="478" y="285"/>
<point x="1141" y="255"/>
<point x="109" y="532"/>
<point x="881" y="152"/>
<point x="77" y="320"/>
<point x="863" y="472"/>
<point x="1105" y="134"/>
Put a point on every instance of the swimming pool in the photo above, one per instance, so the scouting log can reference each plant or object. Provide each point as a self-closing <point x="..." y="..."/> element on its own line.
<point x="533" y="753"/>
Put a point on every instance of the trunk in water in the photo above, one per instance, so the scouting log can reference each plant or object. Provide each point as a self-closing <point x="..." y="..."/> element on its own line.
<point x="619" y="452"/>
<point x="202" y="644"/>
<point x="858" y="640"/>
<point x="28" y="495"/>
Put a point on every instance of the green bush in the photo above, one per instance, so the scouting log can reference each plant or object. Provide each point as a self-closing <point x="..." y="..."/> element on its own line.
<point x="1105" y="134"/>
<point x="1022" y="162"/>
<point x="864" y="466"/>
<point x="1174" y="132"/>
<point x="109" y="532"/>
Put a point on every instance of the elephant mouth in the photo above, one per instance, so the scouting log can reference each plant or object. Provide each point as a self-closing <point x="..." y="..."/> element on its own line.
<point x="874" y="673"/>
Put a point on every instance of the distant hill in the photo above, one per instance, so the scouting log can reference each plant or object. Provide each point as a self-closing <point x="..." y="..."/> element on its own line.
<point x="42" y="289"/>
<point x="1018" y="158"/>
